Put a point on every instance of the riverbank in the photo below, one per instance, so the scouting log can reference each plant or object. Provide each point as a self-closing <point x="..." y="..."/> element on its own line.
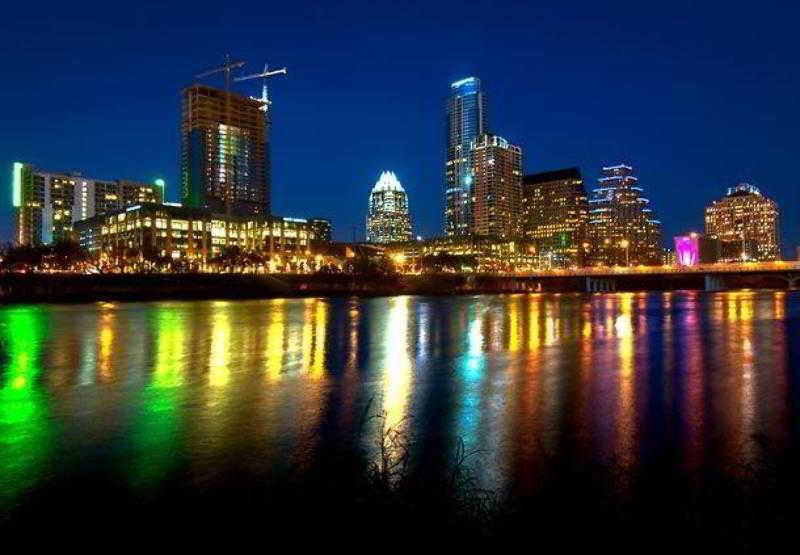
<point x="16" y="288"/>
<point x="25" y="288"/>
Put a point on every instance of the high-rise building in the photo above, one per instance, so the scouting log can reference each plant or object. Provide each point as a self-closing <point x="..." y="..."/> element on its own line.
<point x="555" y="215"/>
<point x="746" y="223"/>
<point x="623" y="229"/>
<point x="224" y="161"/>
<point x="496" y="183"/>
<point x="387" y="219"/>
<point x="47" y="204"/>
<point x="466" y="121"/>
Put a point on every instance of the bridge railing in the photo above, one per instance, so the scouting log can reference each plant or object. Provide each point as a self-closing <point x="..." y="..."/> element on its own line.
<point x="718" y="268"/>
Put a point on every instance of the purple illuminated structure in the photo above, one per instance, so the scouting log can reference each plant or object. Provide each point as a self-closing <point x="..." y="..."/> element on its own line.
<point x="687" y="250"/>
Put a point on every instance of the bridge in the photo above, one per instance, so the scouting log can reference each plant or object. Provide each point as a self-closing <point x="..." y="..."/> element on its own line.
<point x="709" y="277"/>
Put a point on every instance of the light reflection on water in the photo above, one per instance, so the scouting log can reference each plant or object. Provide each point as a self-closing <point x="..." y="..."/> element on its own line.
<point x="150" y="393"/>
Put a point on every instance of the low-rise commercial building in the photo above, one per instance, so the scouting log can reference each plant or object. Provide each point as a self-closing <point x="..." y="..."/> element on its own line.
<point x="464" y="254"/>
<point x="695" y="248"/>
<point x="155" y="235"/>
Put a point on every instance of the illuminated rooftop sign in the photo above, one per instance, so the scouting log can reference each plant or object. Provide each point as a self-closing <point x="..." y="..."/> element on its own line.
<point x="462" y="82"/>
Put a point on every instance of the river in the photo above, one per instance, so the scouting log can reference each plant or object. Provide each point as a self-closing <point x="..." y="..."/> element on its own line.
<point x="145" y="395"/>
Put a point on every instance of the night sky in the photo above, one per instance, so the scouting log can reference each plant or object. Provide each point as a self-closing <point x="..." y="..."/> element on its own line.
<point x="696" y="96"/>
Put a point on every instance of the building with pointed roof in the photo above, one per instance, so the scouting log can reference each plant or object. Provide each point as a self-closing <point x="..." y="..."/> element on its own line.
<point x="623" y="229"/>
<point x="388" y="220"/>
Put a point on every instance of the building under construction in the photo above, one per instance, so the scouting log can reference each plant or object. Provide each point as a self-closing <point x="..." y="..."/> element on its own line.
<point x="224" y="145"/>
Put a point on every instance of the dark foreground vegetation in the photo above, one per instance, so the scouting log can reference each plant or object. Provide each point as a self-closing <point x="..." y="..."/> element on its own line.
<point x="350" y="499"/>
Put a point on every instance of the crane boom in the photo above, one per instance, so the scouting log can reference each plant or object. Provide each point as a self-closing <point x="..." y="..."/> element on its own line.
<point x="226" y="67"/>
<point x="263" y="74"/>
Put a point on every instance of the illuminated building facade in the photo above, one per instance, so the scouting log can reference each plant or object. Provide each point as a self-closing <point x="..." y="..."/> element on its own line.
<point x="387" y="217"/>
<point x="466" y="121"/>
<point x="47" y="204"/>
<point x="554" y="216"/>
<point x="622" y="228"/>
<point x="194" y="236"/>
<point x="224" y="162"/>
<point x="321" y="229"/>
<point x="695" y="248"/>
<point x="496" y="185"/>
<point x="465" y="254"/>
<point x="746" y="223"/>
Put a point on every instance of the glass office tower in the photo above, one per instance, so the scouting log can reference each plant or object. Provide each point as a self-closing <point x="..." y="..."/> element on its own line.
<point x="466" y="121"/>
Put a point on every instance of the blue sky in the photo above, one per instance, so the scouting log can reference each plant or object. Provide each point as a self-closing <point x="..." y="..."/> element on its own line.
<point x="695" y="95"/>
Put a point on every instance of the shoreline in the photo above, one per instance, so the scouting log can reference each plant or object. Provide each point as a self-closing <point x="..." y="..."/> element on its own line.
<point x="71" y="288"/>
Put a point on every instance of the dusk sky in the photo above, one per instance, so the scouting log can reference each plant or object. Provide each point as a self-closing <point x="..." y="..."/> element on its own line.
<point x="696" y="96"/>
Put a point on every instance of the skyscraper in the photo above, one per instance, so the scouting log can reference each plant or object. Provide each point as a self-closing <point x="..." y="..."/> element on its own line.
<point x="387" y="218"/>
<point x="554" y="216"/>
<point x="746" y="223"/>
<point x="622" y="227"/>
<point x="466" y="121"/>
<point x="47" y="204"/>
<point x="496" y="181"/>
<point x="224" y="165"/>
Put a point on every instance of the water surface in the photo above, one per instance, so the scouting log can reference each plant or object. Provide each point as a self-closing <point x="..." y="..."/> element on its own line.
<point x="191" y="393"/>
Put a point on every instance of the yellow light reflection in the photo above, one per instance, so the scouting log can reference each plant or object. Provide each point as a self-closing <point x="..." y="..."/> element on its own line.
<point x="513" y="324"/>
<point x="397" y="362"/>
<point x="533" y="322"/>
<point x="352" y="359"/>
<point x="219" y="356"/>
<point x="276" y="333"/>
<point x="320" y="329"/>
<point x="307" y="337"/>
<point x="106" y="340"/>
<point x="623" y="328"/>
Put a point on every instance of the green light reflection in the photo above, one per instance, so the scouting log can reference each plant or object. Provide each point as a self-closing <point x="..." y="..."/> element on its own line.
<point x="25" y="427"/>
<point x="157" y="428"/>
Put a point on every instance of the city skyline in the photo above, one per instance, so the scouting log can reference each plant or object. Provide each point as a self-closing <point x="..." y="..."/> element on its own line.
<point x="682" y="172"/>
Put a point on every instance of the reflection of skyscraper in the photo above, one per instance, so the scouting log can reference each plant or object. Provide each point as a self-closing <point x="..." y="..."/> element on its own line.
<point x="466" y="121"/>
<point x="496" y="177"/>
<point x="388" y="220"/>
<point x="224" y="162"/>
<point x="746" y="223"/>
<point x="622" y="226"/>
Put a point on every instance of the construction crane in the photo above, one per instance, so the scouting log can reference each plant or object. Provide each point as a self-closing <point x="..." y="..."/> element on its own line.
<point x="226" y="68"/>
<point x="263" y="75"/>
